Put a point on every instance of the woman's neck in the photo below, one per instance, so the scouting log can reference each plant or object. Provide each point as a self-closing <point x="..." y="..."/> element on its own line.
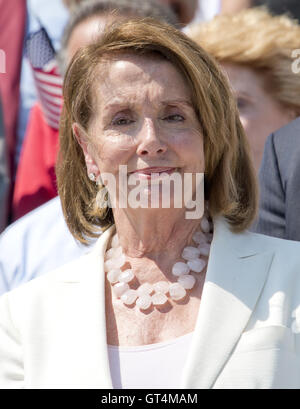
<point x="158" y="236"/>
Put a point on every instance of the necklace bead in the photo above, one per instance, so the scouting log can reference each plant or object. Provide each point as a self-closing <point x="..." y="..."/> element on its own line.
<point x="120" y="289"/>
<point x="161" y="287"/>
<point x="113" y="275"/>
<point x="190" y="253"/>
<point x="197" y="265"/>
<point x="177" y="292"/>
<point x="159" y="299"/>
<point x="199" y="237"/>
<point x="129" y="297"/>
<point x="113" y="252"/>
<point x="205" y="226"/>
<point x="113" y="263"/>
<point x="204" y="250"/>
<point x="187" y="281"/>
<point x="144" y="302"/>
<point x="126" y="276"/>
<point x="145" y="289"/>
<point x="180" y="269"/>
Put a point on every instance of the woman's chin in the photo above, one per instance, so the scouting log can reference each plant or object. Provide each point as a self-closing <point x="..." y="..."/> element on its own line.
<point x="154" y="196"/>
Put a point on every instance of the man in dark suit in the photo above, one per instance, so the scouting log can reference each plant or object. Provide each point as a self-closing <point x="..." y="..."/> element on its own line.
<point x="278" y="7"/>
<point x="279" y="211"/>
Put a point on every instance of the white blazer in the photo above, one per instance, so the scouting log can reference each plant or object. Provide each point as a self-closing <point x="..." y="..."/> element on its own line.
<point x="247" y="335"/>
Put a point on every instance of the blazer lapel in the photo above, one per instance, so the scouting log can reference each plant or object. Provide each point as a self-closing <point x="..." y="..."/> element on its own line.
<point x="88" y="315"/>
<point x="236" y="274"/>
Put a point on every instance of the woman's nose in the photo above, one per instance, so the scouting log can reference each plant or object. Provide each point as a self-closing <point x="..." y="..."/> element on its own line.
<point x="150" y="143"/>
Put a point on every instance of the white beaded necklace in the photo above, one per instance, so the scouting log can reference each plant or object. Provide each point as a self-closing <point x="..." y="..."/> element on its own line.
<point x="195" y="260"/>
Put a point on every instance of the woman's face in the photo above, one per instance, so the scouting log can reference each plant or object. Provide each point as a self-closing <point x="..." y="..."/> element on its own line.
<point x="260" y="114"/>
<point x="144" y="119"/>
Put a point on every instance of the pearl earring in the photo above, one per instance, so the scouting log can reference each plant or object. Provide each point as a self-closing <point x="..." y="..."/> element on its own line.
<point x="92" y="177"/>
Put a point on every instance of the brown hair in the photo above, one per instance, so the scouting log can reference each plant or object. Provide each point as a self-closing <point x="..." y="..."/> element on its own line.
<point x="255" y="39"/>
<point x="230" y="183"/>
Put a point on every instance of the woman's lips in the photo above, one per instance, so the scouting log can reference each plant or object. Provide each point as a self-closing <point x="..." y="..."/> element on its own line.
<point x="152" y="173"/>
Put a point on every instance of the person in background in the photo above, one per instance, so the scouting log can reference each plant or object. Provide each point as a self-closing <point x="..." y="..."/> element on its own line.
<point x="4" y="176"/>
<point x="279" y="177"/>
<point x="12" y="23"/>
<point x="41" y="241"/>
<point x="52" y="16"/>
<point x="278" y="7"/>
<point x="279" y="206"/>
<point x="185" y="10"/>
<point x="35" y="244"/>
<point x="165" y="299"/>
<point x="255" y="50"/>
<point x="34" y="188"/>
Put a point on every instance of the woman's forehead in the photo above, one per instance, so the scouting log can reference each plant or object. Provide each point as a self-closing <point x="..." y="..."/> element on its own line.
<point x="127" y="62"/>
<point x="134" y="74"/>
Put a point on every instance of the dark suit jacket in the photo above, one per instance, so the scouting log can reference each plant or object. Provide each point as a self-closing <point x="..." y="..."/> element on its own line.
<point x="279" y="177"/>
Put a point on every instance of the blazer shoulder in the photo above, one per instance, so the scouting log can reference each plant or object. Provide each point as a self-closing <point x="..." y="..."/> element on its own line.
<point x="281" y="247"/>
<point x="72" y="271"/>
<point x="288" y="137"/>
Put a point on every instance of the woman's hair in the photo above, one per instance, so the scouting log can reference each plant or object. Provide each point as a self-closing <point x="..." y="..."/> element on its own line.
<point x="85" y="9"/>
<point x="257" y="40"/>
<point x="230" y="182"/>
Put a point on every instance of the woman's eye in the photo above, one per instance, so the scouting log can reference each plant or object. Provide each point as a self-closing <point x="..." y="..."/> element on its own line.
<point x="174" y="118"/>
<point x="122" y="121"/>
<point x="241" y="103"/>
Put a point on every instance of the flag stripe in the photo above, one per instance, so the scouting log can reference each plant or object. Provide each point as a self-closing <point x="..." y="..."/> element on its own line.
<point x="53" y="124"/>
<point x="47" y="111"/>
<point x="48" y="81"/>
<point x="48" y="100"/>
<point x="54" y="109"/>
<point x="50" y="89"/>
<point x="49" y="114"/>
<point x="55" y="100"/>
<point x="49" y="78"/>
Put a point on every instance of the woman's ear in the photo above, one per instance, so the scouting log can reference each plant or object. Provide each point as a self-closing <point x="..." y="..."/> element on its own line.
<point x="83" y="140"/>
<point x="81" y="136"/>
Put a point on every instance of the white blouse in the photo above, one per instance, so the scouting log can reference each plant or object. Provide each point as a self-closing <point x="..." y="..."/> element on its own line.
<point x="154" y="366"/>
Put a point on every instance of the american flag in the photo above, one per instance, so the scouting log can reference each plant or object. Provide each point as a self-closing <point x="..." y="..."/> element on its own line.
<point x="41" y="55"/>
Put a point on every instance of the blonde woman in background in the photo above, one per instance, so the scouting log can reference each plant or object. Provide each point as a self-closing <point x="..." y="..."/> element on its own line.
<point x="255" y="49"/>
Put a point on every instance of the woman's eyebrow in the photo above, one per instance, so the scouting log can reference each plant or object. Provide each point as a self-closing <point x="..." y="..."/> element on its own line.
<point x="114" y="105"/>
<point x="121" y="105"/>
<point x="179" y="101"/>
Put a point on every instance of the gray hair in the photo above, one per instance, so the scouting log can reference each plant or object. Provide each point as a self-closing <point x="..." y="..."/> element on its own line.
<point x="90" y="8"/>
